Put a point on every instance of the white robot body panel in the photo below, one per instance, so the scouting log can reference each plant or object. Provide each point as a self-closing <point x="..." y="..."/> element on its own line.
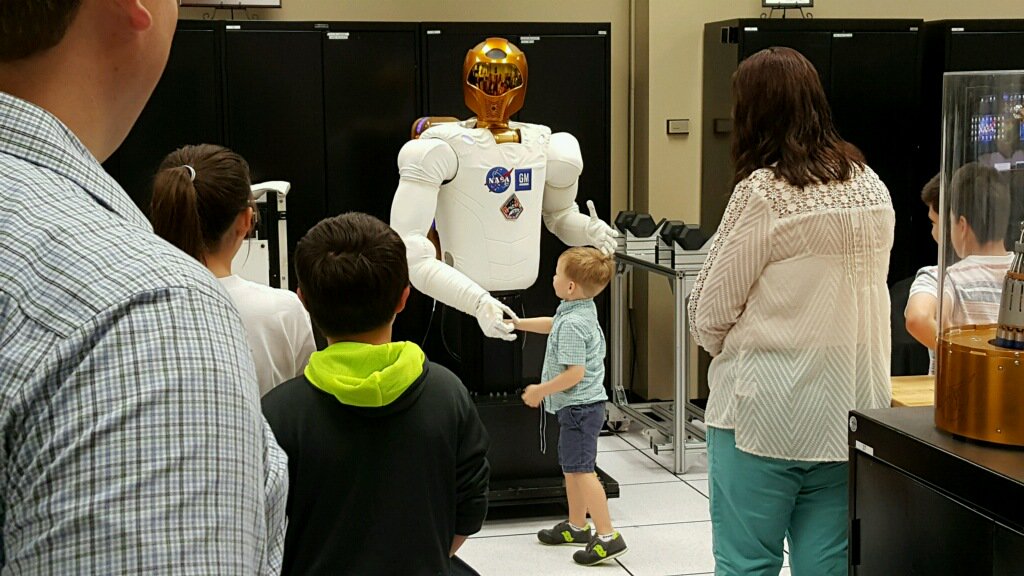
<point x="489" y="215"/>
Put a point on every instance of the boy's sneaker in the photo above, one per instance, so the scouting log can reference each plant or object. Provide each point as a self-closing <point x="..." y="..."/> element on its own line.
<point x="564" y="533"/>
<point x="598" y="550"/>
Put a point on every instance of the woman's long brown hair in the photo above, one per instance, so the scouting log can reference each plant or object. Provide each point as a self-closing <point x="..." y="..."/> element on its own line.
<point x="783" y="122"/>
<point x="194" y="214"/>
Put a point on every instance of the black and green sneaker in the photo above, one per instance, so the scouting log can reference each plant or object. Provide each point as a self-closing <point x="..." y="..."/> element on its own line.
<point x="564" y="533"/>
<point x="599" y="550"/>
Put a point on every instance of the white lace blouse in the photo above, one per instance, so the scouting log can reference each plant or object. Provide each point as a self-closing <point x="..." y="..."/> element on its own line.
<point x="792" y="303"/>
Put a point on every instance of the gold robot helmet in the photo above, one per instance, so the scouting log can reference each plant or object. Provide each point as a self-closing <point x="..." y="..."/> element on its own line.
<point x="494" y="84"/>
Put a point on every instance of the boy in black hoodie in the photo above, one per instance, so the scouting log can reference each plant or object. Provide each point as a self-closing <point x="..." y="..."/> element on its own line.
<point x="386" y="453"/>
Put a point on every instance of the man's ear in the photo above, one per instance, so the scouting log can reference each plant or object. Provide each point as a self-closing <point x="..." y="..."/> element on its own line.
<point x="138" y="15"/>
<point x="402" y="301"/>
<point x="302" y="297"/>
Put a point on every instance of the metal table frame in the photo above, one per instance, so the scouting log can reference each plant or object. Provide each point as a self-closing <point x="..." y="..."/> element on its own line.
<point x="659" y="419"/>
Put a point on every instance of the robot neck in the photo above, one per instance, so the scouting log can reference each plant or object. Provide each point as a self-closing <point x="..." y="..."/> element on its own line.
<point x="500" y="130"/>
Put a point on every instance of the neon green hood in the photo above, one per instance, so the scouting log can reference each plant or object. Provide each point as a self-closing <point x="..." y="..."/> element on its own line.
<point x="366" y="375"/>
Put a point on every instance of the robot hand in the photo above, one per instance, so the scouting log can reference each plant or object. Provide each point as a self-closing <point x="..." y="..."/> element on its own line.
<point x="490" y="313"/>
<point x="599" y="234"/>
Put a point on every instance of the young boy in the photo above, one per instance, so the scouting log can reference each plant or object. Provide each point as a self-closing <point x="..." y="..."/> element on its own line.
<point x="978" y="219"/>
<point x="573" y="388"/>
<point x="386" y="453"/>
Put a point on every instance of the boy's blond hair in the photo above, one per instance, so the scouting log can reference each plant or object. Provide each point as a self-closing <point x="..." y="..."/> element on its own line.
<point x="588" y="267"/>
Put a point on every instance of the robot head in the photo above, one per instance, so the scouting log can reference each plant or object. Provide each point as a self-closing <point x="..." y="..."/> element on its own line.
<point x="495" y="81"/>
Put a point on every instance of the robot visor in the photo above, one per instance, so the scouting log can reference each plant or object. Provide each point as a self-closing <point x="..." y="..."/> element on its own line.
<point x="495" y="78"/>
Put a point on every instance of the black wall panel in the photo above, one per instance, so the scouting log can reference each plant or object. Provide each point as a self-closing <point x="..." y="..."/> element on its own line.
<point x="275" y="116"/>
<point x="371" y="92"/>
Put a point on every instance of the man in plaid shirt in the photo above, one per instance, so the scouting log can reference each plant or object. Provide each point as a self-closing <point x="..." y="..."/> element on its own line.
<point x="131" y="439"/>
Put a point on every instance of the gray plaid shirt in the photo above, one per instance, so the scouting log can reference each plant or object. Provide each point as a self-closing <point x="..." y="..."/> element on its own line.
<point x="132" y="437"/>
<point x="576" y="339"/>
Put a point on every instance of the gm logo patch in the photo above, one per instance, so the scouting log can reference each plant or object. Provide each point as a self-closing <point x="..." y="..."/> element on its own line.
<point x="499" y="179"/>
<point x="524" y="179"/>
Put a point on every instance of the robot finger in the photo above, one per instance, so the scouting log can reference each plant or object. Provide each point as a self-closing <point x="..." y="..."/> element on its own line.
<point x="592" y="209"/>
<point x="508" y="311"/>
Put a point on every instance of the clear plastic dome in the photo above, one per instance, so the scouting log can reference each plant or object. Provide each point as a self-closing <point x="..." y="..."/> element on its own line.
<point x="980" y="275"/>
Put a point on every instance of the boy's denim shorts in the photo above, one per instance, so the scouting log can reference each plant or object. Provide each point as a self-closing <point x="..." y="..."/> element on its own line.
<point x="577" y="440"/>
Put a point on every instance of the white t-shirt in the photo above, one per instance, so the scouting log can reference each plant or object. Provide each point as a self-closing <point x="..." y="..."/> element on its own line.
<point x="278" y="329"/>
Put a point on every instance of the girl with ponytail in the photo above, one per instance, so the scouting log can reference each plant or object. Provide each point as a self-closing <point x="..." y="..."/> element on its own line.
<point x="203" y="204"/>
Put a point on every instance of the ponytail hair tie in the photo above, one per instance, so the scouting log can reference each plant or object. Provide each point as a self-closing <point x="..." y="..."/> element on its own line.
<point x="191" y="172"/>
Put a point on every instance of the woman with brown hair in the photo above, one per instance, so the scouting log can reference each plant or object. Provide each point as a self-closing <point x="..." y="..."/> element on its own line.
<point x="792" y="304"/>
<point x="203" y="204"/>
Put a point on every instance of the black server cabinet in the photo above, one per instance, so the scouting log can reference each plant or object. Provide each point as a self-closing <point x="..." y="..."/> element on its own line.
<point x="971" y="46"/>
<point x="869" y="69"/>
<point x="569" y="91"/>
<point x="371" y="98"/>
<point x="275" y="114"/>
<point x="923" y="501"/>
<point x="187" y="107"/>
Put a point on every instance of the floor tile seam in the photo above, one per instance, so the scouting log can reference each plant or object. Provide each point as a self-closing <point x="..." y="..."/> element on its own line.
<point x="622" y="526"/>
<point x="663" y="467"/>
<point x="650" y="482"/>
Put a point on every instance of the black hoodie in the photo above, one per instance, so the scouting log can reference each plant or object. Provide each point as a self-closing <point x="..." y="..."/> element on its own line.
<point x="379" y="490"/>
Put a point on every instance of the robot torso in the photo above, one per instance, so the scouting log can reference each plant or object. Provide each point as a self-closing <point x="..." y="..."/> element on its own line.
<point x="489" y="215"/>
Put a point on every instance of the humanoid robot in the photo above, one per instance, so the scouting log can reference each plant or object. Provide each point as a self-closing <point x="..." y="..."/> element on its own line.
<point x="488" y="183"/>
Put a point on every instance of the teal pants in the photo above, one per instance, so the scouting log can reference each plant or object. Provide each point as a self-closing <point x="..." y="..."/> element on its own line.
<point x="757" y="502"/>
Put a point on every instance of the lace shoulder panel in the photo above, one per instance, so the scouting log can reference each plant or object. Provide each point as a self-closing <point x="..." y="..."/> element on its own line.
<point x="863" y="190"/>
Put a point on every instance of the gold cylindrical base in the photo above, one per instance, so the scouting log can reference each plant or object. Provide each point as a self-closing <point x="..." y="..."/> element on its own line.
<point x="979" y="387"/>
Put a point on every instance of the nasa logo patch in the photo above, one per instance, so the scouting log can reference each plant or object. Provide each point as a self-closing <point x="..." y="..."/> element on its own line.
<point x="524" y="179"/>
<point x="498" y="179"/>
<point x="512" y="209"/>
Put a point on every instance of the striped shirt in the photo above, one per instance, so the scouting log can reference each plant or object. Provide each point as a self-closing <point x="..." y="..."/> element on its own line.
<point x="576" y="339"/>
<point x="133" y="441"/>
<point x="974" y="286"/>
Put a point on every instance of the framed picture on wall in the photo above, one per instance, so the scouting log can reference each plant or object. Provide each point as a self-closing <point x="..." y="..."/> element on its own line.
<point x="229" y="3"/>
<point x="787" y="3"/>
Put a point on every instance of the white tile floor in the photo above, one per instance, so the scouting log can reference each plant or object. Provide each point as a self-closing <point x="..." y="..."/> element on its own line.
<point x="664" y="518"/>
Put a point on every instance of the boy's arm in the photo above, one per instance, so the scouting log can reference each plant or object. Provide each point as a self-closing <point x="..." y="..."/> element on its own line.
<point x="534" y="393"/>
<point x="920" y="315"/>
<point x="472" y="472"/>
<point x="540" y="325"/>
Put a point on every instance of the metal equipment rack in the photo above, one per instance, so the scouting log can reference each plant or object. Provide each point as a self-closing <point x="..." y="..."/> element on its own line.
<point x="658" y="418"/>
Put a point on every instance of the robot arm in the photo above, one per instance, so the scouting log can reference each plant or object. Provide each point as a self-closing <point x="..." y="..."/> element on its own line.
<point x="423" y="165"/>
<point x="561" y="214"/>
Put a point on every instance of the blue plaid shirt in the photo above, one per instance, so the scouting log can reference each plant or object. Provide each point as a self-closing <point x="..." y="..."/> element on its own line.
<point x="576" y="339"/>
<point x="132" y="437"/>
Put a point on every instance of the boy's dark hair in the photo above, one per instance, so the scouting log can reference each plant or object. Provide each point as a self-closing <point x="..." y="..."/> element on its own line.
<point x="194" y="213"/>
<point x="980" y="195"/>
<point x="31" y="26"/>
<point x="930" y="193"/>
<point x="352" y="271"/>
